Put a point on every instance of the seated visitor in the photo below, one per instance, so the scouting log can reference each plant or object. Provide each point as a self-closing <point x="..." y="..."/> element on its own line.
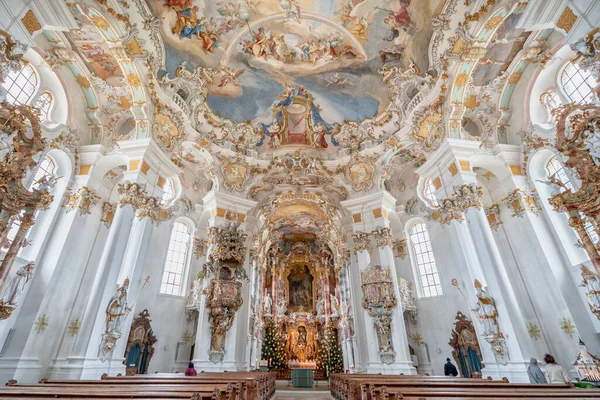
<point x="190" y="371"/>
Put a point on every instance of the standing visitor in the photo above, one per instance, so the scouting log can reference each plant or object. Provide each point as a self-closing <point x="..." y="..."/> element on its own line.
<point x="554" y="372"/>
<point x="450" y="369"/>
<point x="535" y="373"/>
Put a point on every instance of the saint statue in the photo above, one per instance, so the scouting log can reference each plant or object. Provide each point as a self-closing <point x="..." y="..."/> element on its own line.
<point x="486" y="311"/>
<point x="320" y="307"/>
<point x="117" y="309"/>
<point x="281" y="308"/>
<point x="268" y="303"/>
<point x="335" y="305"/>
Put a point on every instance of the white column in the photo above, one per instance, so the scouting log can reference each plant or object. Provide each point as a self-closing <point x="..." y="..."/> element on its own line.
<point x="403" y="363"/>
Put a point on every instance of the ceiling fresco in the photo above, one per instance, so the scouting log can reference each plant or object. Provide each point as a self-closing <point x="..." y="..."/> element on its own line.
<point x="295" y="69"/>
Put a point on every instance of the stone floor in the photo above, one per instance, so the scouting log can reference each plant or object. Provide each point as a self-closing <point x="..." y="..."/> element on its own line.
<point x="284" y="391"/>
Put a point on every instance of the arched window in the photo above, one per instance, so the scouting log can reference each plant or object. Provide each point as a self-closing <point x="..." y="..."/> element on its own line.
<point x="20" y="85"/>
<point x="578" y="84"/>
<point x="429" y="193"/>
<point x="426" y="267"/>
<point x="45" y="171"/>
<point x="44" y="102"/>
<point x="177" y="259"/>
<point x="556" y="168"/>
<point x="168" y="191"/>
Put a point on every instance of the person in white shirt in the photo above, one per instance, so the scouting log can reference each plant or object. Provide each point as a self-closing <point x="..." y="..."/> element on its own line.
<point x="554" y="372"/>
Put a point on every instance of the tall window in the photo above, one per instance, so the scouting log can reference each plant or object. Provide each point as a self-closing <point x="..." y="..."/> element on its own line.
<point x="556" y="168"/>
<point x="423" y="257"/>
<point x="20" y="85"/>
<point x="44" y="172"/>
<point x="44" y="102"/>
<point x="578" y="84"/>
<point x="177" y="259"/>
<point x="429" y="193"/>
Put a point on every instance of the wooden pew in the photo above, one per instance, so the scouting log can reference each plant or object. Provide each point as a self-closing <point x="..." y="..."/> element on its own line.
<point x="390" y="387"/>
<point x="213" y="386"/>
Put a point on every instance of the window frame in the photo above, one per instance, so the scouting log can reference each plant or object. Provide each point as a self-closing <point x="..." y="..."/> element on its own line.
<point x="584" y="76"/>
<point x="429" y="193"/>
<point x="186" y="262"/>
<point x="11" y="81"/>
<point x="45" y="115"/>
<point x="415" y="263"/>
<point x="34" y="177"/>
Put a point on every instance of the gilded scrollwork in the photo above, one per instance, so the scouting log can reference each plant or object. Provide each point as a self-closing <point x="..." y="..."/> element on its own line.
<point x="400" y="248"/>
<point x="362" y="241"/>
<point x="82" y="199"/>
<point x="360" y="172"/>
<point x="383" y="236"/>
<point x="520" y="201"/>
<point x="200" y="247"/>
<point x="591" y="283"/>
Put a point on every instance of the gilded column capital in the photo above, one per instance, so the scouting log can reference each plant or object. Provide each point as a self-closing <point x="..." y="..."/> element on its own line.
<point x="150" y="207"/>
<point x="520" y="201"/>
<point x="448" y="211"/>
<point x="468" y="196"/>
<point x="362" y="241"/>
<point x="82" y="199"/>
<point x="131" y="193"/>
<point x="383" y="236"/>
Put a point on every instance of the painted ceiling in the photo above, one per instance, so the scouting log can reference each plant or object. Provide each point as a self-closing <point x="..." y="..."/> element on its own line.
<point x="332" y="98"/>
<point x="296" y="69"/>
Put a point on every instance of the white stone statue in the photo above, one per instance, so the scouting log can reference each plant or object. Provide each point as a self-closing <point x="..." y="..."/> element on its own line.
<point x="592" y="141"/>
<point x="335" y="305"/>
<point x="320" y="307"/>
<point x="281" y="308"/>
<point x="268" y="303"/>
<point x="117" y="309"/>
<point x="486" y="311"/>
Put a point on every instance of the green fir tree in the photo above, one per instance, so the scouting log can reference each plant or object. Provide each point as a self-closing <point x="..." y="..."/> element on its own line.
<point x="273" y="348"/>
<point x="329" y="355"/>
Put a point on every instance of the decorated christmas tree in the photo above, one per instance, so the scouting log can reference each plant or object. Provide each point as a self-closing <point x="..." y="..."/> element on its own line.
<point x="329" y="355"/>
<point x="273" y="348"/>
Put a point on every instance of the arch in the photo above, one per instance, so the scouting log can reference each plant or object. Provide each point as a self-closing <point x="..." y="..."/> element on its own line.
<point x="283" y="16"/>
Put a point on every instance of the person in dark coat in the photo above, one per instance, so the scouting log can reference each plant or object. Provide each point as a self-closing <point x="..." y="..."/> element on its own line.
<point x="450" y="369"/>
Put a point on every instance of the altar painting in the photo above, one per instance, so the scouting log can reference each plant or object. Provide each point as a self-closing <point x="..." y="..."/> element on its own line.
<point x="275" y="54"/>
<point x="300" y="288"/>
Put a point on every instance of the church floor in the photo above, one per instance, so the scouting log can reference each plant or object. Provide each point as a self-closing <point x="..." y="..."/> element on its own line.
<point x="284" y="391"/>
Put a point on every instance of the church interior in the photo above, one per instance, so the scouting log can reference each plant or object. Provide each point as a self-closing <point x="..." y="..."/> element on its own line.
<point x="369" y="199"/>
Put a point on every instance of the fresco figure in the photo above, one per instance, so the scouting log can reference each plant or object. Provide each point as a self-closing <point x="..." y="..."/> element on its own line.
<point x="188" y="23"/>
